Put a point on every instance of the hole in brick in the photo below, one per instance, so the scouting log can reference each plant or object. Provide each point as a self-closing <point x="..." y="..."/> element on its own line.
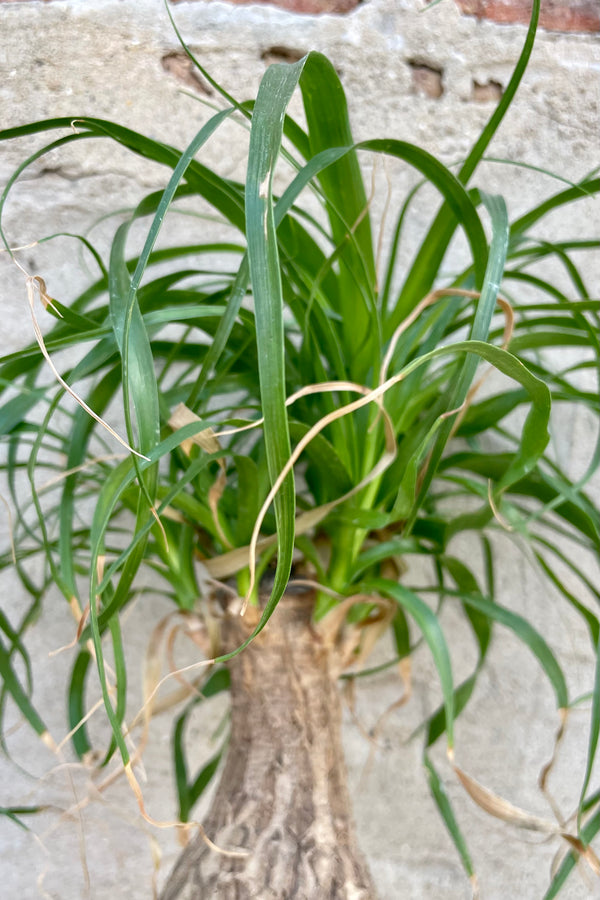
<point x="179" y="65"/>
<point x="279" y="53"/>
<point x="426" y="80"/>
<point x="484" y="93"/>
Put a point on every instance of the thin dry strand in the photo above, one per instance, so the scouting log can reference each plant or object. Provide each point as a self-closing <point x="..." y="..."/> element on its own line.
<point x="369" y="396"/>
<point x="37" y="287"/>
<point x="133" y="783"/>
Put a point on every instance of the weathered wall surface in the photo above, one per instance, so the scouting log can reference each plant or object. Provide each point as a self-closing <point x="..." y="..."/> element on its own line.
<point x="431" y="78"/>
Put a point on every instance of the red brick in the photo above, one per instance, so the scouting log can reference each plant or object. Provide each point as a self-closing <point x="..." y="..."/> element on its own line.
<point x="555" y="15"/>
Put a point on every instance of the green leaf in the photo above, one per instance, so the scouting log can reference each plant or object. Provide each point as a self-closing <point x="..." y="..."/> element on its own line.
<point x="18" y="694"/>
<point x="188" y="793"/>
<point x="447" y="813"/>
<point x="202" y="780"/>
<point x="430" y="627"/>
<point x="525" y="631"/>
<point x="479" y="332"/>
<point x="347" y="208"/>
<point x="435" y="725"/>
<point x="274" y="95"/>
<point x="76" y="703"/>
<point x="594" y="735"/>
<point x="14" y="813"/>
<point x="467" y="583"/>
<point x="249" y="501"/>
<point x="433" y="247"/>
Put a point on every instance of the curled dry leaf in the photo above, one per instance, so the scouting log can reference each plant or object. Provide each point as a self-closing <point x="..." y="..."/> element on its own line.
<point x="547" y="768"/>
<point x="500" y="808"/>
<point x="355" y="641"/>
<point x="205" y="439"/>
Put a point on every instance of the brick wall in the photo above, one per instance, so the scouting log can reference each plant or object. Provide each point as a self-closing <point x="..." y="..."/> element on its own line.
<point x="555" y="15"/>
<point x="581" y="16"/>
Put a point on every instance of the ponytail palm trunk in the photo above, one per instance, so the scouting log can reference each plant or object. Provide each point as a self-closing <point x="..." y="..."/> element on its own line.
<point x="283" y="794"/>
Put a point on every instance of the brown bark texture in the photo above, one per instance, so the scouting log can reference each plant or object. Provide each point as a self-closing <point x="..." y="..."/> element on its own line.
<point x="283" y="795"/>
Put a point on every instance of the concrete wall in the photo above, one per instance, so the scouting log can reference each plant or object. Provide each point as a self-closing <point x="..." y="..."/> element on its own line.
<point x="427" y="77"/>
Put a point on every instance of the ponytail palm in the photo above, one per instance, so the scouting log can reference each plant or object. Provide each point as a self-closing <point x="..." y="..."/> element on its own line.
<point x="304" y="420"/>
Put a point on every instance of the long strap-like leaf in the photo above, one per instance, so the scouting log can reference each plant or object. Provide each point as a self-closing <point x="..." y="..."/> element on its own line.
<point x="274" y="95"/>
